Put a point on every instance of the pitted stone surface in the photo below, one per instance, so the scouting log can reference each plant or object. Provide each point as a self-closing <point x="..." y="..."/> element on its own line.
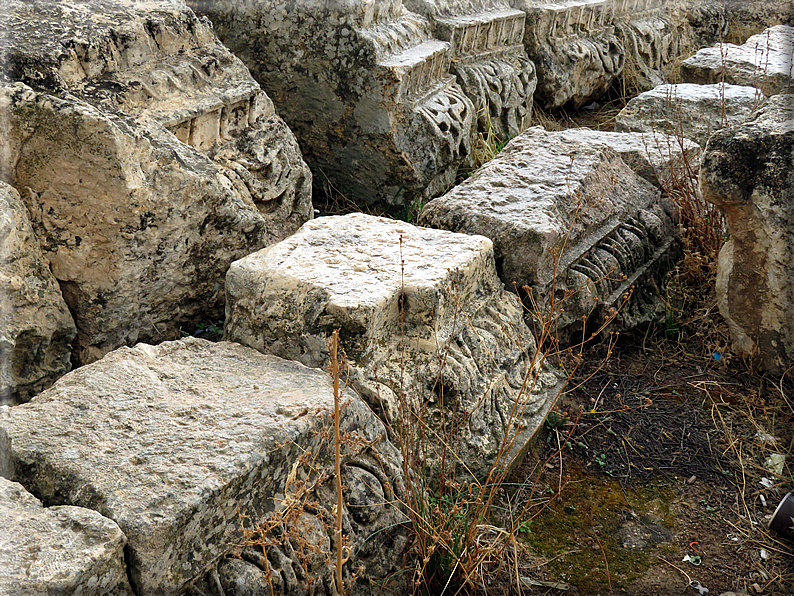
<point x="364" y="85"/>
<point x="654" y="33"/>
<point x="689" y="110"/>
<point x="148" y="158"/>
<point x="657" y="157"/>
<point x="488" y="59"/>
<point x="748" y="171"/>
<point x="422" y="315"/>
<point x="765" y="61"/>
<point x="57" y="550"/>
<point x="36" y="329"/>
<point x="175" y="442"/>
<point x="566" y="218"/>
<point x="574" y="48"/>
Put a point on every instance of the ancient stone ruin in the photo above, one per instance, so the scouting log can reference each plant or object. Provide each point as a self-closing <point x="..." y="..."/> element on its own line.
<point x="569" y="220"/>
<point x="364" y="85"/>
<point x="153" y="178"/>
<point x="426" y="324"/>
<point x="747" y="172"/>
<point x="179" y="444"/>
<point x="147" y="158"/>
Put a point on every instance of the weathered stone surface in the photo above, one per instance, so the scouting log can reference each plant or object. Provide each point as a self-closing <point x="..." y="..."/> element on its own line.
<point x="570" y="220"/>
<point x="365" y="87"/>
<point x="175" y="442"/>
<point x="425" y="322"/>
<point x="148" y="158"/>
<point x="765" y="61"/>
<point x="488" y="59"/>
<point x="748" y="171"/>
<point x="574" y="48"/>
<point x="57" y="550"/>
<point x="654" y="34"/>
<point x="657" y="157"/>
<point x="36" y="329"/>
<point x="689" y="110"/>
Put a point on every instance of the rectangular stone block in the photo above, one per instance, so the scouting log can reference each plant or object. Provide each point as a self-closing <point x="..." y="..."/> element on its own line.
<point x="57" y="550"/>
<point x="569" y="219"/>
<point x="174" y="443"/>
<point x="425" y="324"/>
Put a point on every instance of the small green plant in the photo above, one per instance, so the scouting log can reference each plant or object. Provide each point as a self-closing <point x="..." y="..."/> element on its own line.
<point x="601" y="459"/>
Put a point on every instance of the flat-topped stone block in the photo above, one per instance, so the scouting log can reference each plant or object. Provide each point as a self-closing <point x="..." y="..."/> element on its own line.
<point x="175" y="442"/>
<point x="365" y="86"/>
<point x="58" y="550"/>
<point x="574" y="48"/>
<point x="570" y="220"/>
<point x="36" y="329"/>
<point x="747" y="172"/>
<point x="689" y="110"/>
<point x="765" y="61"/>
<point x="424" y="320"/>
<point x="657" y="157"/>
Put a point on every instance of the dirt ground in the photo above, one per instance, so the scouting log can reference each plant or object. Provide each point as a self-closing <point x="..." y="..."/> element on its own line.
<point x="655" y="477"/>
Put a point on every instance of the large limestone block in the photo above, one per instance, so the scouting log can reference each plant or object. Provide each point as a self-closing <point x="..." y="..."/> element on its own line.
<point x="654" y="33"/>
<point x="57" y="550"/>
<point x="424" y="319"/>
<point x="488" y="59"/>
<point x="176" y="442"/>
<point x="36" y="329"/>
<point x="657" y="157"/>
<point x="148" y="158"/>
<point x="689" y="110"/>
<point x="574" y="48"/>
<point x="765" y="61"/>
<point x="365" y="87"/>
<point x="747" y="171"/>
<point x="570" y="220"/>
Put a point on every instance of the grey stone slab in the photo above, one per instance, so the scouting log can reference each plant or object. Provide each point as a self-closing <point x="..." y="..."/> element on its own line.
<point x="574" y="48"/>
<point x="425" y="321"/>
<point x="366" y="87"/>
<point x="572" y="221"/>
<point x="175" y="442"/>
<point x="656" y="157"/>
<point x="765" y="61"/>
<point x="689" y="110"/>
<point x="46" y="551"/>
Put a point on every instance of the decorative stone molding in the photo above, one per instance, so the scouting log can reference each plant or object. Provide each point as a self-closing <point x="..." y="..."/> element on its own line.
<point x="425" y="325"/>
<point x="570" y="220"/>
<point x="365" y="86"/>
<point x="574" y="48"/>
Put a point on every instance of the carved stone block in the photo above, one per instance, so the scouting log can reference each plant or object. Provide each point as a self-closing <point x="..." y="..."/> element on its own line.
<point x="574" y="48"/>
<point x="148" y="159"/>
<point x="182" y="443"/>
<point x="364" y="85"/>
<point x="689" y="110"/>
<point x="764" y="61"/>
<point x="657" y="157"/>
<point x="570" y="220"/>
<point x="488" y="59"/>
<point x="425" y="321"/>
<point x="36" y="329"/>
<point x="747" y="172"/>
<point x="58" y="550"/>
